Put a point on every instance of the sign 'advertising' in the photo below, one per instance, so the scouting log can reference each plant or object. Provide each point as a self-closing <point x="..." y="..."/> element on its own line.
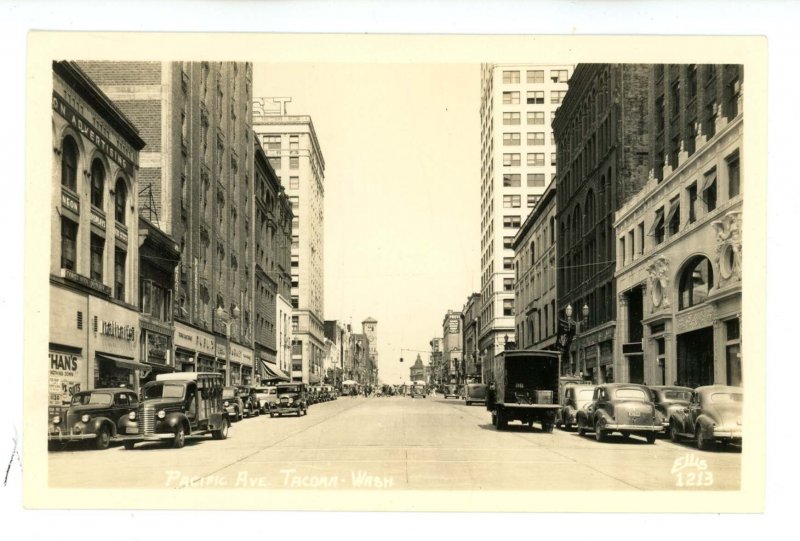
<point x="64" y="376"/>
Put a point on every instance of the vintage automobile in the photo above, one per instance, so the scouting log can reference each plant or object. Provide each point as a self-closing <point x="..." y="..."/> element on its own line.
<point x="575" y="397"/>
<point x="714" y="414"/>
<point x="252" y="406"/>
<point x="626" y="408"/>
<point x="475" y="393"/>
<point x="178" y="405"/>
<point x="233" y="403"/>
<point x="99" y="415"/>
<point x="451" y="391"/>
<point x="291" y="398"/>
<point x="417" y="391"/>
<point x="668" y="400"/>
<point x="267" y="397"/>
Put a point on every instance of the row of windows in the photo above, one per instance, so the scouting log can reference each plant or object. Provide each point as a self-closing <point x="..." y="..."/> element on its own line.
<point x="533" y="97"/>
<point x="514" y="180"/>
<point x="535" y="76"/>
<point x="540" y="326"/>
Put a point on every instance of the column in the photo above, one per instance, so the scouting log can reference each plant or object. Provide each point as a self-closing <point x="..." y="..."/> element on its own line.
<point x="621" y="371"/>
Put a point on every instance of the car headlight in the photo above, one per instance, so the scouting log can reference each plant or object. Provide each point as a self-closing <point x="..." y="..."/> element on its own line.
<point x="161" y="414"/>
<point x="132" y="416"/>
<point x="225" y="404"/>
<point x="56" y="420"/>
<point x="85" y="418"/>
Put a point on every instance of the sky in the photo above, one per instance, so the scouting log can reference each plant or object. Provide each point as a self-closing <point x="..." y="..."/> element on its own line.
<point x="401" y="144"/>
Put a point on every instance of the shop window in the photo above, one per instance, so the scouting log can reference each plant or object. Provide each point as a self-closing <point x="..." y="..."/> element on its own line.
<point x="97" y="245"/>
<point x="695" y="283"/>
<point x="69" y="164"/>
<point x="120" y="198"/>
<point x="733" y="355"/>
<point x="69" y="236"/>
<point x="98" y="175"/>
<point x="119" y="274"/>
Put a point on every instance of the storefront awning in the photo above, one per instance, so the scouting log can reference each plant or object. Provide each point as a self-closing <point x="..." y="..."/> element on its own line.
<point x="273" y="372"/>
<point x="121" y="362"/>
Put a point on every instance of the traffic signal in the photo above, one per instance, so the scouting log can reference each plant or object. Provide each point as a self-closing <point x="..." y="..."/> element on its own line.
<point x="401" y="359"/>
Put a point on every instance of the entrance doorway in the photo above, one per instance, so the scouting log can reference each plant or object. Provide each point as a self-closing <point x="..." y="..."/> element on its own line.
<point x="636" y="368"/>
<point x="696" y="358"/>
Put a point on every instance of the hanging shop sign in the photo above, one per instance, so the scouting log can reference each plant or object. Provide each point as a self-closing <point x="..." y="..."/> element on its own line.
<point x="157" y="348"/>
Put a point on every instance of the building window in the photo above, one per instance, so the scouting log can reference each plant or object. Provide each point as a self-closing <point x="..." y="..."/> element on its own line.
<point x="294" y="142"/>
<point x="535" y="97"/>
<point x="536" y="138"/>
<point x="535" y="117"/>
<point x="691" y="195"/>
<point x="510" y="160"/>
<point x="120" y="198"/>
<point x="640" y="238"/>
<point x="69" y="236"/>
<point x="510" y="77"/>
<point x="511" y="139"/>
<point x="508" y="242"/>
<point x="96" y="262"/>
<point x="535" y="180"/>
<point x="511" y="119"/>
<point x="512" y="180"/>
<point x="674" y="216"/>
<point x="294" y="183"/>
<point x="660" y="118"/>
<point x="512" y="201"/>
<point x="732" y="90"/>
<point x="532" y="200"/>
<point x="119" y="274"/>
<point x="98" y="181"/>
<point x="553" y="158"/>
<point x="272" y="142"/>
<point x="508" y="263"/>
<point x="733" y="355"/>
<point x="535" y="76"/>
<point x="508" y="284"/>
<point x="696" y="282"/>
<point x="508" y="307"/>
<point x="536" y="159"/>
<point x="657" y="230"/>
<point x="558" y="76"/>
<point x="295" y="302"/>
<point x="511" y="221"/>
<point x="69" y="164"/>
<point x="622" y="252"/>
<point x="557" y="96"/>
<point x="511" y="98"/>
<point x="294" y="162"/>
<point x="675" y="99"/>
<point x="733" y="174"/>
<point x="710" y="190"/>
<point x="295" y="323"/>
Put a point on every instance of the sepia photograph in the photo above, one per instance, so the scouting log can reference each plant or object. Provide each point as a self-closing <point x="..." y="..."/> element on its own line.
<point x="377" y="275"/>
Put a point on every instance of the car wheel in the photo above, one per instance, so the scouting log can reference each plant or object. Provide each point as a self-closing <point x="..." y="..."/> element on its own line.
<point x="502" y="422"/>
<point x="547" y="427"/>
<point x="239" y="415"/>
<point x="581" y="431"/>
<point x="567" y="425"/>
<point x="222" y="432"/>
<point x="599" y="433"/>
<point x="703" y="443"/>
<point x="651" y="437"/>
<point x="129" y="445"/>
<point x="103" y="439"/>
<point x="179" y="438"/>
<point x="674" y="433"/>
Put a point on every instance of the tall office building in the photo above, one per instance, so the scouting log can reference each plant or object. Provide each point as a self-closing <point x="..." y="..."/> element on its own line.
<point x="518" y="158"/>
<point x="293" y="150"/>
<point x="196" y="184"/>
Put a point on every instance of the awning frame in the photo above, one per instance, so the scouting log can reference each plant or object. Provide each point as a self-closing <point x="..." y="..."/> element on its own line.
<point x="121" y="362"/>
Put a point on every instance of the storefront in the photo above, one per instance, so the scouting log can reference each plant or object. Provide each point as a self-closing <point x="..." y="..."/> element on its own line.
<point x="114" y="345"/>
<point x="241" y="359"/>
<point x="194" y="349"/>
<point x="156" y="349"/>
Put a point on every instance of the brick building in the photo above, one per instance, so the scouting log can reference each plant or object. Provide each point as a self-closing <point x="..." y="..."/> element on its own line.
<point x="602" y="132"/>
<point x="472" y="355"/>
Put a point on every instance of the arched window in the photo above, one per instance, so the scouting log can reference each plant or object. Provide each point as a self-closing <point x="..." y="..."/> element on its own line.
<point x="588" y="223"/>
<point x="120" y="199"/>
<point x="576" y="225"/>
<point x="69" y="164"/>
<point x="98" y="181"/>
<point x="695" y="283"/>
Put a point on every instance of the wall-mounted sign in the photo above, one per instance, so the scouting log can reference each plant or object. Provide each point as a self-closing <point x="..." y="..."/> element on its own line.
<point x="98" y="220"/>
<point x="157" y="348"/>
<point x="65" y="371"/>
<point x="192" y="339"/>
<point x="86" y="282"/>
<point x="70" y="202"/>
<point x="115" y="330"/>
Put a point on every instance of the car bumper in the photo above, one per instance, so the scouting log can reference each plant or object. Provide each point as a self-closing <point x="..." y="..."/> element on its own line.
<point x="285" y="410"/>
<point x="633" y="428"/>
<point x="63" y="438"/>
<point x="729" y="434"/>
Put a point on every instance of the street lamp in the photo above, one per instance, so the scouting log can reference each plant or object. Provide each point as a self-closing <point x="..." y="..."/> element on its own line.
<point x="234" y="315"/>
<point x="568" y="311"/>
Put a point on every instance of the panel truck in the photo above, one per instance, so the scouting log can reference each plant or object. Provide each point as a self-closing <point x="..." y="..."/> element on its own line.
<point x="523" y="387"/>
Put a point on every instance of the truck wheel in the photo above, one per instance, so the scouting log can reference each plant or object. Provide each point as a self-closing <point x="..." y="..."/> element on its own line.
<point x="547" y="427"/>
<point x="222" y="432"/>
<point x="103" y="439"/>
<point x="179" y="438"/>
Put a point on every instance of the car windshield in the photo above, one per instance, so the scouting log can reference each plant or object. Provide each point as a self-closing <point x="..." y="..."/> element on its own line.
<point x="631" y="394"/>
<point x="726" y="397"/>
<point x="585" y="394"/>
<point x="678" y="395"/>
<point x="92" y="399"/>
<point x="228" y="393"/>
<point x="290" y="389"/>
<point x="163" y="390"/>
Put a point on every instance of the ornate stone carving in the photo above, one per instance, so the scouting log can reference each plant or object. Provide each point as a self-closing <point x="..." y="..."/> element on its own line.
<point x="729" y="247"/>
<point x="658" y="283"/>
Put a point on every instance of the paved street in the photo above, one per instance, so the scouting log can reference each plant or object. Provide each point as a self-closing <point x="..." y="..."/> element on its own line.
<point x="399" y="443"/>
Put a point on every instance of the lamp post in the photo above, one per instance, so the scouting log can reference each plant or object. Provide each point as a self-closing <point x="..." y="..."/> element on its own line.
<point x="234" y="315"/>
<point x="568" y="311"/>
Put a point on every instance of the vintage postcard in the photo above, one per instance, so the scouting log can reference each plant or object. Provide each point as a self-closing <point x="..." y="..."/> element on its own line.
<point x="338" y="272"/>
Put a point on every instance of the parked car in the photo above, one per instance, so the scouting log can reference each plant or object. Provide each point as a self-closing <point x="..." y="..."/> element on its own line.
<point x="626" y="408"/>
<point x="267" y="397"/>
<point x="178" y="405"/>
<point x="575" y="397"/>
<point x="291" y="398"/>
<point x="248" y="394"/>
<point x="475" y="393"/>
<point x="99" y="415"/>
<point x="714" y="414"/>
<point x="233" y="403"/>
<point x="668" y="400"/>
<point x="451" y="391"/>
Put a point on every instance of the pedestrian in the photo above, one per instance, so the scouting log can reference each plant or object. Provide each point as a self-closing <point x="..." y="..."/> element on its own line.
<point x="433" y="391"/>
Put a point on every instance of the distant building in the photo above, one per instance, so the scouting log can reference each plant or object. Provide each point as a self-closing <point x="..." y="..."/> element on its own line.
<point x="473" y="357"/>
<point x="452" y="348"/>
<point x="337" y="337"/>
<point x="293" y="150"/>
<point x="679" y="240"/>
<point x="436" y="362"/>
<point x="417" y="370"/>
<point x="370" y="329"/>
